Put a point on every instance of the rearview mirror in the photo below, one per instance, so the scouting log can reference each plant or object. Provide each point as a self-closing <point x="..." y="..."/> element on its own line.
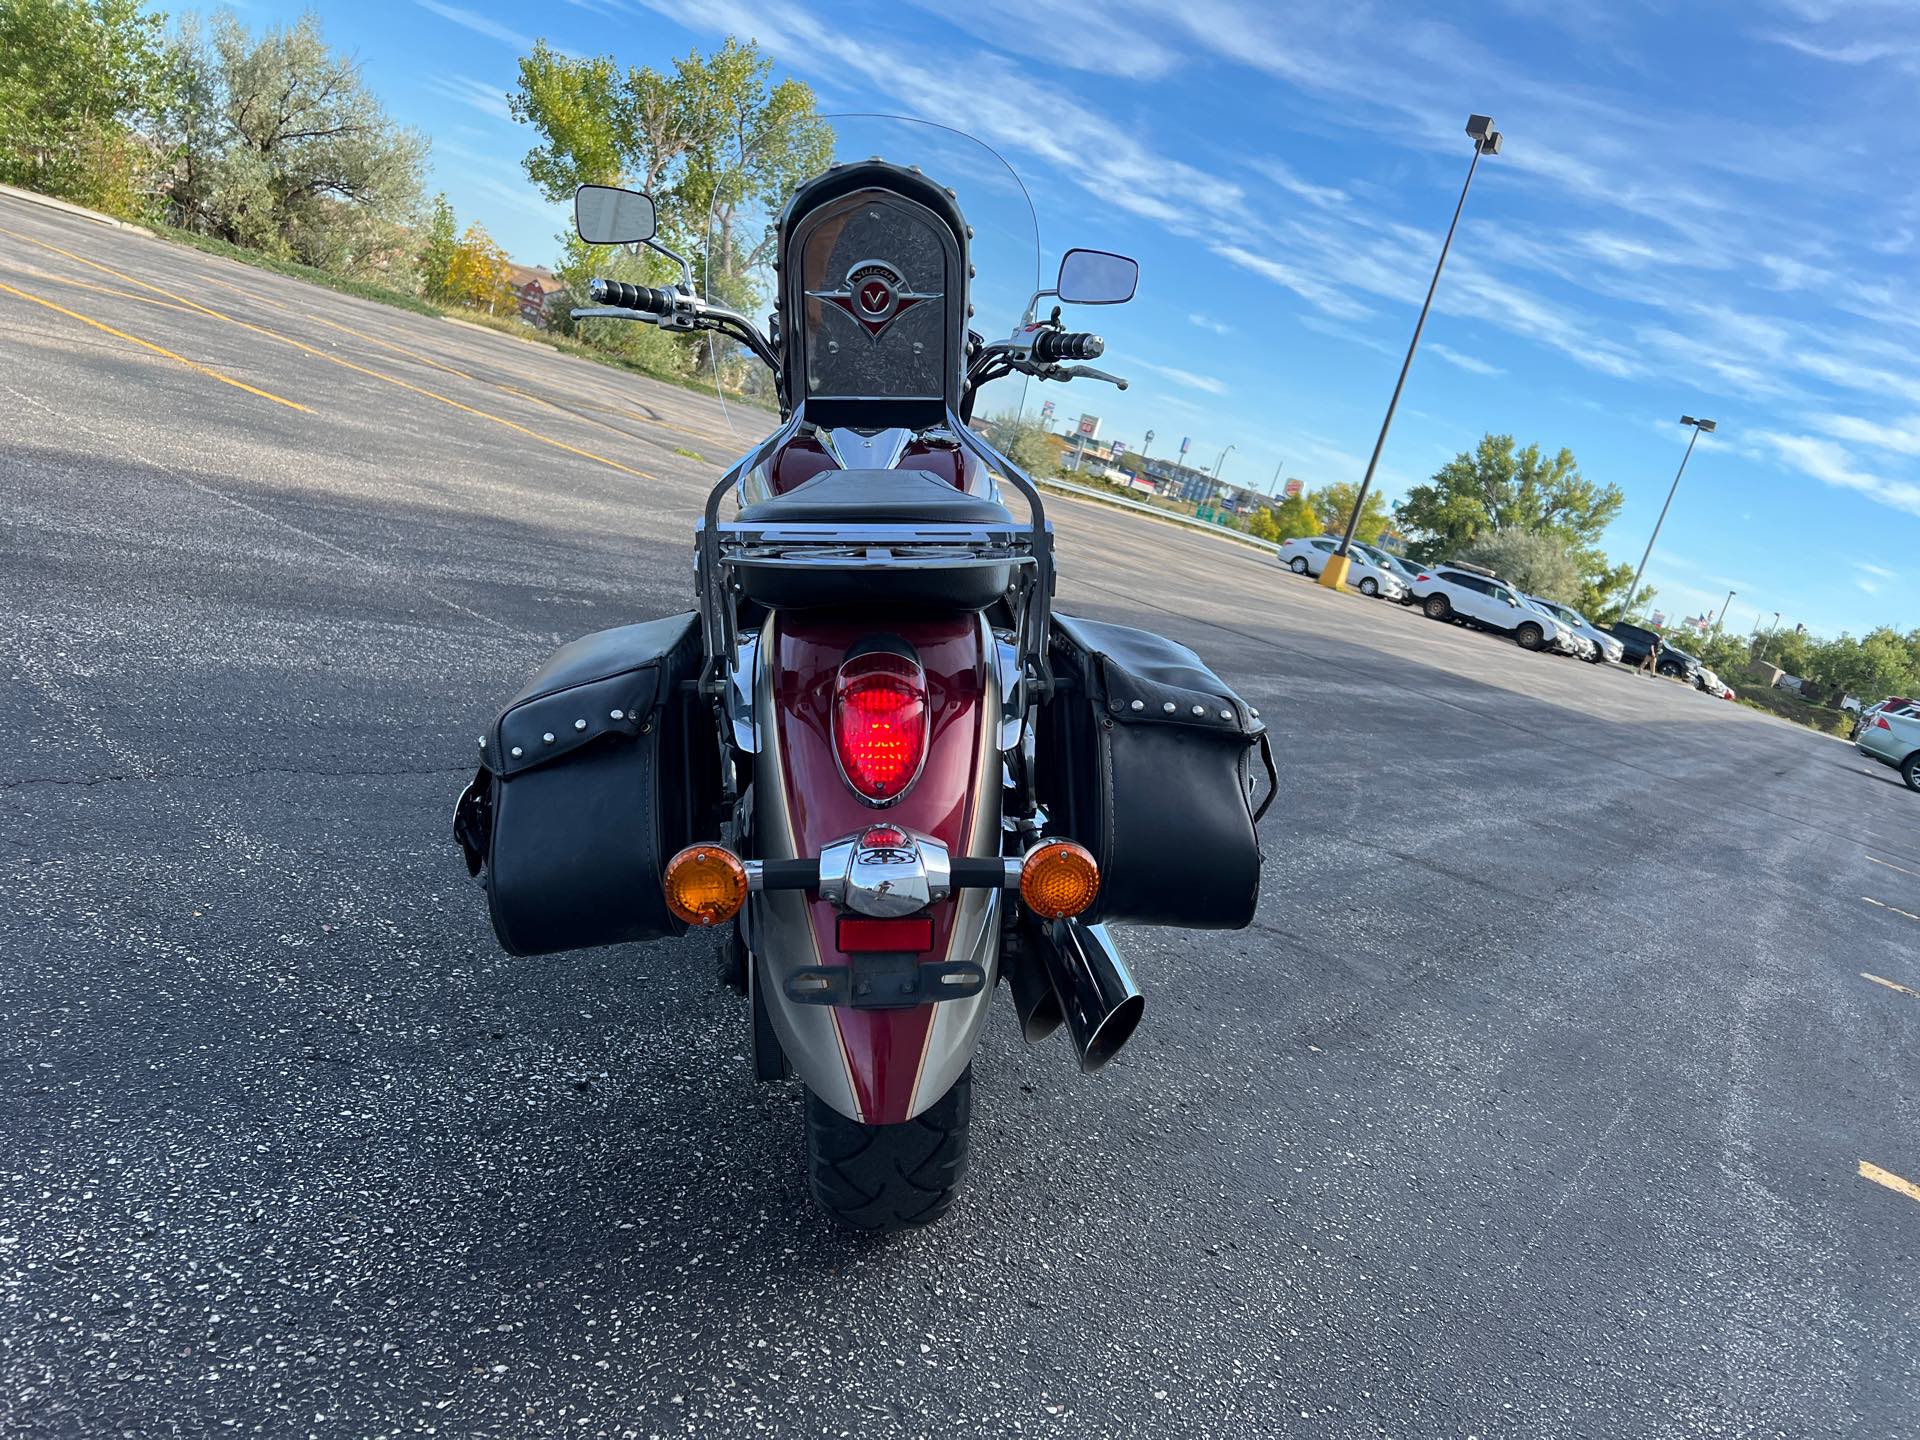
<point x="605" y="215"/>
<point x="1096" y="277"/>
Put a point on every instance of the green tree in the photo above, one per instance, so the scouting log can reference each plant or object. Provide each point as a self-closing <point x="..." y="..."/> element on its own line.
<point x="437" y="246"/>
<point x="284" y="149"/>
<point x="1262" y="526"/>
<point x="1296" y="519"/>
<point x="716" y="144"/>
<point x="1024" y="442"/>
<point x="1502" y="487"/>
<point x="1334" y="503"/>
<point x="80" y="81"/>
<point x="1535" y="560"/>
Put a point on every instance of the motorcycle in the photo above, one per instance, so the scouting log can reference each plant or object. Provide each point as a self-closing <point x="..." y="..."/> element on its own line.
<point x="874" y="758"/>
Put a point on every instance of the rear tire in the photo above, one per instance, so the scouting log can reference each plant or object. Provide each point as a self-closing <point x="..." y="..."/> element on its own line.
<point x="890" y="1177"/>
<point x="1370" y="587"/>
<point x="1298" y="564"/>
<point x="1529" y="637"/>
<point x="1438" y="607"/>
<point x="1910" y="770"/>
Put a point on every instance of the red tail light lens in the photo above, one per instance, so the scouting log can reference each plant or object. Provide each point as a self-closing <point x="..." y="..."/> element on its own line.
<point x="880" y="725"/>
<point x="1880" y="723"/>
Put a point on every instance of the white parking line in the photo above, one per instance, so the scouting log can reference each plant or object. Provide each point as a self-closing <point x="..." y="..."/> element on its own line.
<point x="1891" y="866"/>
<point x="1894" y="908"/>
<point x="1890" y="984"/>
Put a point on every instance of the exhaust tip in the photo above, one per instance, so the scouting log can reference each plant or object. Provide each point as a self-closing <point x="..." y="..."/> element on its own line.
<point x="1113" y="1031"/>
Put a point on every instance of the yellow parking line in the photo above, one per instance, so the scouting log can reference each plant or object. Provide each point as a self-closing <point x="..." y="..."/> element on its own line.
<point x="47" y="277"/>
<point x="389" y="345"/>
<point x="158" y="350"/>
<point x="337" y="360"/>
<point x="1891" y="866"/>
<point x="1894" y="908"/>
<point x="1871" y="1171"/>
<point x="1890" y="984"/>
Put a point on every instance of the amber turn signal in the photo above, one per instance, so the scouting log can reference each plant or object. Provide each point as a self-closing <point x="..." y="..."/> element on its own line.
<point x="1058" y="879"/>
<point x="705" y="885"/>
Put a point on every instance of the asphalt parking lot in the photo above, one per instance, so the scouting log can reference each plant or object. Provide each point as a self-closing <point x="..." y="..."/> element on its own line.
<point x="1564" y="1086"/>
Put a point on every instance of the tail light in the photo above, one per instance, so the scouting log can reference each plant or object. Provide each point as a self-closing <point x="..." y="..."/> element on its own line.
<point x="880" y="724"/>
<point x="705" y="885"/>
<point x="1880" y="723"/>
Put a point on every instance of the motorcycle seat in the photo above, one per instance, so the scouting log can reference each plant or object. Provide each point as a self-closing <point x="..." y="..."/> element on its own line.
<point x="876" y="497"/>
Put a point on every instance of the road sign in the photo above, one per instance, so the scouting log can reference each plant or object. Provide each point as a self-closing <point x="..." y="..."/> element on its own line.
<point x="1046" y="412"/>
<point x="1185" y="442"/>
<point x="1293" y="488"/>
<point x="1089" y="427"/>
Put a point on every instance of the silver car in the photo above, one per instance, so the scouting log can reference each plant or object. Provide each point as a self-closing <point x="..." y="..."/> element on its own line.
<point x="1605" y="647"/>
<point x="1892" y="736"/>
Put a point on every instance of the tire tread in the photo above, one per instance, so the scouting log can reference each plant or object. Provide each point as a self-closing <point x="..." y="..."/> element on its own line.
<point x="890" y="1177"/>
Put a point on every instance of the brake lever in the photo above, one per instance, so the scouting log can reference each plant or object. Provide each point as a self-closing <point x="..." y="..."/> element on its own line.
<point x="1087" y="372"/>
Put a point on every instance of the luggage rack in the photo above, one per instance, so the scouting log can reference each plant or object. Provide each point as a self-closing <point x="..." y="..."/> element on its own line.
<point x="978" y="563"/>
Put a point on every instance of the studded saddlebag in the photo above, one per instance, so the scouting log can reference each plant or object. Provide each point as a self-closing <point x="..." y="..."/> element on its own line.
<point x="1146" y="757"/>
<point x="601" y="768"/>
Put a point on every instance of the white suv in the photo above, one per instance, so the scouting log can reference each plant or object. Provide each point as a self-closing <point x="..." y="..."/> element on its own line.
<point x="1479" y="597"/>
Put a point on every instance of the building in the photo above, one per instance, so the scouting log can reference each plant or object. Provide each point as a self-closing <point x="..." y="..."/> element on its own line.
<point x="536" y="291"/>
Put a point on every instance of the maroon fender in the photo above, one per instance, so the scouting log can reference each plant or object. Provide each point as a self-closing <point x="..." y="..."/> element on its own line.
<point x="886" y="1051"/>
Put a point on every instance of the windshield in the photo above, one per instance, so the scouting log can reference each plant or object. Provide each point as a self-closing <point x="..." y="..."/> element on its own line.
<point x="872" y="267"/>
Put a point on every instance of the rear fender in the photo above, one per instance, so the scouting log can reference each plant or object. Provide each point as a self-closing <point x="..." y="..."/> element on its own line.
<point x="880" y="1067"/>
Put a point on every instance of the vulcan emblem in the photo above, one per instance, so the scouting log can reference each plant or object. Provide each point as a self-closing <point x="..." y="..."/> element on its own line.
<point x="875" y="294"/>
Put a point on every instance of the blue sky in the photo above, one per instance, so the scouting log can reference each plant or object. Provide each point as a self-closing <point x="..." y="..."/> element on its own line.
<point x="1700" y="209"/>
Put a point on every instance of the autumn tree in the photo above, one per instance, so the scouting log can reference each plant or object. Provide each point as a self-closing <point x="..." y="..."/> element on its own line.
<point x="1296" y="519"/>
<point x="479" y="274"/>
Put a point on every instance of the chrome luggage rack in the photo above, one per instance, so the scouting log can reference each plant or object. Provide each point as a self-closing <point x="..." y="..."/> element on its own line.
<point x="725" y="552"/>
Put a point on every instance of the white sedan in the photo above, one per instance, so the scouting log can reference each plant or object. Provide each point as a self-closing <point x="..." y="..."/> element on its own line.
<point x="1309" y="557"/>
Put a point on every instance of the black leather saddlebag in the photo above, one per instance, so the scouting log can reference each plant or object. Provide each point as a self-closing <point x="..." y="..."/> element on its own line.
<point x="601" y="768"/>
<point x="1146" y="757"/>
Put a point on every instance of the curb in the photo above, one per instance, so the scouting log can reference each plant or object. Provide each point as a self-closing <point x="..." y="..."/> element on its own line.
<point x="48" y="202"/>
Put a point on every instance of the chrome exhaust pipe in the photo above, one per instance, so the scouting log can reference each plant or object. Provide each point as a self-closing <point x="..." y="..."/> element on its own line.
<point x="1034" y="1000"/>
<point x="1097" y="996"/>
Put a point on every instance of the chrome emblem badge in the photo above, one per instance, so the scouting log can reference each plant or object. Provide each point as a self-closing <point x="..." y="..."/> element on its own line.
<point x="875" y="294"/>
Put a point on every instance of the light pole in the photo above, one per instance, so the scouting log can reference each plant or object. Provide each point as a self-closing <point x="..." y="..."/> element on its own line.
<point x="1486" y="141"/>
<point x="1699" y="427"/>
<point x="1214" y="483"/>
<point x="1764" y="644"/>
<point x="1721" y="618"/>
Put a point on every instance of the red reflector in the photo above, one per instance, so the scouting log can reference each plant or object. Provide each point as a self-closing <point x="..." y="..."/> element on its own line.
<point x="1880" y="723"/>
<point x="860" y="935"/>
<point x="880" y="724"/>
<point x="884" y="837"/>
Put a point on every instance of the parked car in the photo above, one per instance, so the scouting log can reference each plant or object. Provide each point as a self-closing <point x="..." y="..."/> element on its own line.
<point x="1398" y="566"/>
<point x="1479" y="597"/>
<point x="1309" y="557"/>
<point x="1568" y="641"/>
<point x="1899" y="704"/>
<point x="1685" y="667"/>
<point x="1605" y="647"/>
<point x="1636" y="640"/>
<point x="1892" y="736"/>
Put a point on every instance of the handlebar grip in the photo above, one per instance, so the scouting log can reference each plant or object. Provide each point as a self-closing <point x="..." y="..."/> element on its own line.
<point x="643" y="298"/>
<point x="1068" y="345"/>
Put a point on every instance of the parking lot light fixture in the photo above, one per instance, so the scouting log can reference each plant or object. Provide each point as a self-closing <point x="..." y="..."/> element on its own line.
<point x="1700" y="427"/>
<point x="1486" y="141"/>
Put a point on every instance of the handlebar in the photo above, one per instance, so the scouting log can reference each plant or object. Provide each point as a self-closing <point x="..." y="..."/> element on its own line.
<point x="644" y="298"/>
<point x="1054" y="345"/>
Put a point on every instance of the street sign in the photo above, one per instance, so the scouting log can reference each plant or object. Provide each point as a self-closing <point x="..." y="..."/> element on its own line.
<point x="1185" y="442"/>
<point x="1089" y="427"/>
<point x="1118" y="448"/>
<point x="1293" y="488"/>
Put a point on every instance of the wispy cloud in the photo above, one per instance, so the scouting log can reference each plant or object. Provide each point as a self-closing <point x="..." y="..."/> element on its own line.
<point x="489" y="100"/>
<point x="1471" y="364"/>
<point x="1207" y="322"/>
<point x="1184" y="377"/>
<point x="486" y="25"/>
<point x="1832" y="464"/>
